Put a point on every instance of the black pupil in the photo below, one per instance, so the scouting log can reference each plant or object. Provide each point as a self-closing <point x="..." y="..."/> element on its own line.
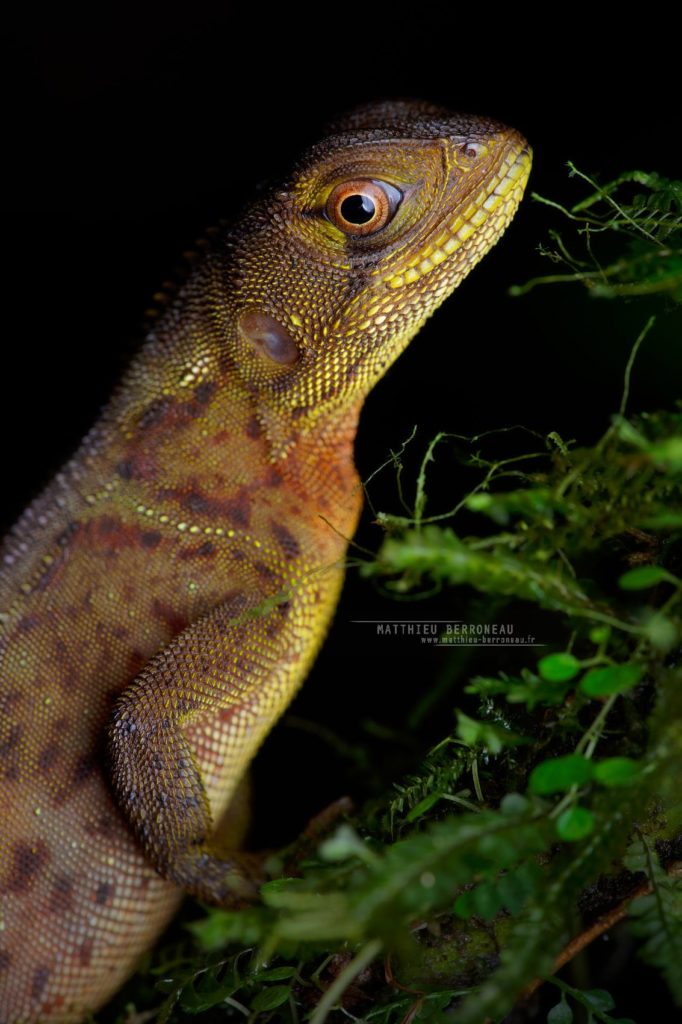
<point x="357" y="209"/>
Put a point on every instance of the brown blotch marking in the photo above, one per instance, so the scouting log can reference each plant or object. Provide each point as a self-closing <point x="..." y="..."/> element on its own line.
<point x="61" y="651"/>
<point x="8" y="748"/>
<point x="103" y="892"/>
<point x="141" y="465"/>
<point x="189" y="411"/>
<point x="205" y="391"/>
<point x="39" y="981"/>
<point x="154" y="413"/>
<point x="253" y="428"/>
<point x="61" y="898"/>
<point x="27" y="623"/>
<point x="285" y="539"/>
<point x="113" y="535"/>
<point x="5" y="959"/>
<point x="275" y="478"/>
<point x="205" y="550"/>
<point x="86" y="767"/>
<point x="264" y="571"/>
<point x="62" y="725"/>
<point x="161" y="610"/>
<point x="239" y="511"/>
<point x="219" y="439"/>
<point x="9" y="701"/>
<point x="168" y="413"/>
<point x="85" y="953"/>
<point x="106" y="525"/>
<point x="196" y="502"/>
<point x="150" y="539"/>
<point x="28" y="860"/>
<point x="49" y="756"/>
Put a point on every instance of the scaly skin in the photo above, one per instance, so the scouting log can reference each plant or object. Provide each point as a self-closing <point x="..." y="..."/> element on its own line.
<point x="164" y="598"/>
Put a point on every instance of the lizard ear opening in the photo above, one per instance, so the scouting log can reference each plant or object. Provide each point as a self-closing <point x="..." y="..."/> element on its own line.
<point x="268" y="337"/>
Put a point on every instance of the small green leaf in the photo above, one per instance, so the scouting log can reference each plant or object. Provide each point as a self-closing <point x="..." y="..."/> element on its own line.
<point x="575" y="824"/>
<point x="478" y="501"/>
<point x="221" y="927"/>
<point x="616" y="771"/>
<point x="668" y="452"/>
<point x="600" y="1000"/>
<point x="644" y="576"/>
<point x="602" y="682"/>
<point x="423" y="806"/>
<point x="492" y="738"/>
<point x="280" y="885"/>
<point x="600" y="634"/>
<point x="487" y="901"/>
<point x="517" y="886"/>
<point x="663" y="520"/>
<point x="560" y="1014"/>
<point x="464" y="904"/>
<point x="514" y="803"/>
<point x="270" y="998"/>
<point x="558" y="774"/>
<point x="558" y="668"/>
<point x="661" y="631"/>
<point x="275" y="974"/>
<point x="345" y="843"/>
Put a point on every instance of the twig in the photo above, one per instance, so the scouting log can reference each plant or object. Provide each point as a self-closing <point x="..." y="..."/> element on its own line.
<point x="603" y="924"/>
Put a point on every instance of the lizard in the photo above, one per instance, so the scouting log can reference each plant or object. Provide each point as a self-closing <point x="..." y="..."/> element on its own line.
<point x="165" y="596"/>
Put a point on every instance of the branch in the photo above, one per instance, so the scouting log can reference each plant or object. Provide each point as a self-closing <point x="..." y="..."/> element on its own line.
<point x="599" y="927"/>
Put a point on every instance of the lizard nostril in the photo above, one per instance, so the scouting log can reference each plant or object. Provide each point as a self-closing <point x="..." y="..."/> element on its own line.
<point x="268" y="336"/>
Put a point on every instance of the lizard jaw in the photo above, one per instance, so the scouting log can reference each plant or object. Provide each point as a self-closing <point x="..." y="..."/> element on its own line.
<point x="490" y="210"/>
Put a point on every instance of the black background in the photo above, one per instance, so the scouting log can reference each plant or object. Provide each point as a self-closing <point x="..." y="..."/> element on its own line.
<point x="126" y="135"/>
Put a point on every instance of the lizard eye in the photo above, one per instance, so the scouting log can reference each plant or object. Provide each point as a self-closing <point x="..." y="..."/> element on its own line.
<point x="362" y="206"/>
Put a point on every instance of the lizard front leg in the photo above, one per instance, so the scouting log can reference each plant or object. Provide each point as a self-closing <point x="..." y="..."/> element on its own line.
<point x="232" y="673"/>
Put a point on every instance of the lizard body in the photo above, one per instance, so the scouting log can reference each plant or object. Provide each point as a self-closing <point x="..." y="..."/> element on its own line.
<point x="164" y="598"/>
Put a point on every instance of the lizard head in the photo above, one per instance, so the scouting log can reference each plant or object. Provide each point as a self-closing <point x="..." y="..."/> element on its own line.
<point x="338" y="268"/>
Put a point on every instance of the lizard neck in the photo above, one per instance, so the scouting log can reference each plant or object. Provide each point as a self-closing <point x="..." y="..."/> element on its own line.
<point x="185" y="394"/>
<point x="320" y="462"/>
<point x="186" y="431"/>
